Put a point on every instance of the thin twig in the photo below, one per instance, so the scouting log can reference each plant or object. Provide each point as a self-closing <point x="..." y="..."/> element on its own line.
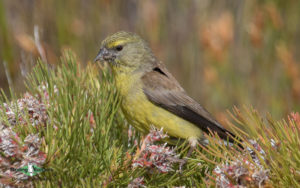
<point x="8" y="76"/>
<point x="38" y="43"/>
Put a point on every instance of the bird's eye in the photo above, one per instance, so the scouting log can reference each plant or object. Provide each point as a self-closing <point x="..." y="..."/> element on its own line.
<point x="119" y="48"/>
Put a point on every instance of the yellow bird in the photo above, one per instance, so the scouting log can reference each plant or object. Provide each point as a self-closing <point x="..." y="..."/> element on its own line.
<point x="150" y="95"/>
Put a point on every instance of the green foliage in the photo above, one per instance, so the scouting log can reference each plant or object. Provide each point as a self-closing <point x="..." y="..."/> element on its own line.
<point x="87" y="143"/>
<point x="272" y="150"/>
<point x="80" y="142"/>
<point x="86" y="139"/>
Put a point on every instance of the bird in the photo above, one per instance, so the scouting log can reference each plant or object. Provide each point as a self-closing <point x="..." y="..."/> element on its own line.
<point x="150" y="94"/>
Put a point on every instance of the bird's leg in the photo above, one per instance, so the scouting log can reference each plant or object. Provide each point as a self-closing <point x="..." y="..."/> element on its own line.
<point x="193" y="143"/>
<point x="192" y="147"/>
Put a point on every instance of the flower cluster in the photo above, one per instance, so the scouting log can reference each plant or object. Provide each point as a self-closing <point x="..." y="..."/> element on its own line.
<point x="155" y="156"/>
<point x="17" y="152"/>
<point x="242" y="172"/>
<point x="24" y="109"/>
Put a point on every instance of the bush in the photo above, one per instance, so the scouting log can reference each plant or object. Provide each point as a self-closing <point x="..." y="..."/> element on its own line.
<point x="70" y="125"/>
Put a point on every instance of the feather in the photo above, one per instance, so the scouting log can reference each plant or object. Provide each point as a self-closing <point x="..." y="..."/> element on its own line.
<point x="162" y="89"/>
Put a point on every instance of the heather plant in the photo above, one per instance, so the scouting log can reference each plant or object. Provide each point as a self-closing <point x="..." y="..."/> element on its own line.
<point x="270" y="158"/>
<point x="69" y="124"/>
<point x="85" y="141"/>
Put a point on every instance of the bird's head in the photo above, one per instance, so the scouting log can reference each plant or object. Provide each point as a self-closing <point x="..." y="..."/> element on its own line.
<point x="125" y="52"/>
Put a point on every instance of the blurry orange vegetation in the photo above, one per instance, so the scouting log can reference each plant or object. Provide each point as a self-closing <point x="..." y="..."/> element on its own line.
<point x="274" y="15"/>
<point x="256" y="27"/>
<point x="217" y="34"/>
<point x="29" y="45"/>
<point x="26" y="42"/>
<point x="210" y="74"/>
<point x="78" y="27"/>
<point x="291" y="67"/>
<point x="258" y="23"/>
<point x="149" y="12"/>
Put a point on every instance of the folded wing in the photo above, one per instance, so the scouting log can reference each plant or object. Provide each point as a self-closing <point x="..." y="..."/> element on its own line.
<point x="162" y="89"/>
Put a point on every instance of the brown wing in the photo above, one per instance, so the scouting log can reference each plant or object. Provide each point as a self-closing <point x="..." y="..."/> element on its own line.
<point x="162" y="89"/>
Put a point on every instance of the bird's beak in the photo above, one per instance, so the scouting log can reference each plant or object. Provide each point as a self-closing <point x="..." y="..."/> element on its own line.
<point x="103" y="55"/>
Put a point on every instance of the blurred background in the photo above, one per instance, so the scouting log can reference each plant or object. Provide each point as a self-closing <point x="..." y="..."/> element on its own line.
<point x="224" y="53"/>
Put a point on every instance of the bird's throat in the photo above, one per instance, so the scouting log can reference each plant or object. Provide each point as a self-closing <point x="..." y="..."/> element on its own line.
<point x="126" y="82"/>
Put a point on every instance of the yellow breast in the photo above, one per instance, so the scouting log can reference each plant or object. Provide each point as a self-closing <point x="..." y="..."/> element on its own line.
<point x="143" y="114"/>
